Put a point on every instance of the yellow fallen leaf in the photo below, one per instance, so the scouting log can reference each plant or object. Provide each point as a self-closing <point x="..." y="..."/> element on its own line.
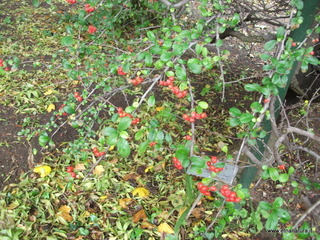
<point x="79" y="167"/>
<point x="42" y="170"/>
<point x="98" y="170"/>
<point x="147" y="225"/>
<point x="51" y="107"/>
<point x="148" y="169"/>
<point x="50" y="91"/>
<point x="141" y="215"/>
<point x="159" y="108"/>
<point x="141" y="192"/>
<point x="111" y="147"/>
<point x="64" y="212"/>
<point x="124" y="202"/>
<point x="164" y="227"/>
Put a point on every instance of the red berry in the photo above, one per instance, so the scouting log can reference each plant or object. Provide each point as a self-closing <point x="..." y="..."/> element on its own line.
<point x="7" y="69"/>
<point x="212" y="168"/>
<point x="227" y="193"/>
<point x="208" y="163"/>
<point x="76" y="94"/>
<point x="70" y="169"/>
<point x="224" y="187"/>
<point x="152" y="144"/>
<point x="216" y="170"/>
<point x="294" y="44"/>
<point x="204" y="189"/>
<point x="187" y="137"/>
<point x="200" y="185"/>
<point x="213" y="188"/>
<point x="282" y="167"/>
<point x="193" y="114"/>
<point x="73" y="174"/>
<point x="237" y="199"/>
<point x="266" y="100"/>
<point x="311" y="53"/>
<point x="192" y="120"/>
<point x="203" y="115"/>
<point x="185" y="116"/>
<point x="95" y="150"/>
<point x="214" y="159"/>
<point x="92" y="29"/>
<point x="171" y="78"/>
<point x="79" y="99"/>
<point x="206" y="193"/>
<point x="120" y="109"/>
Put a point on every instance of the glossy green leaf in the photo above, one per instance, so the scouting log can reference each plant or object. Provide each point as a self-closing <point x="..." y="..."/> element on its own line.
<point x="124" y="123"/>
<point x="272" y="221"/>
<point x="123" y="147"/>
<point x="270" y="45"/>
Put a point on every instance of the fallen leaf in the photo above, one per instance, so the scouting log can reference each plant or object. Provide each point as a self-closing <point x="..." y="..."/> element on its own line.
<point x="131" y="176"/>
<point x="148" y="169"/>
<point x="142" y="192"/>
<point x="98" y="170"/>
<point x="141" y="215"/>
<point x="42" y="170"/>
<point x="111" y="147"/>
<point x="51" y="107"/>
<point x="50" y="91"/>
<point x="159" y="108"/>
<point x="64" y="212"/>
<point x="124" y="202"/>
<point x="147" y="225"/>
<point x="164" y="227"/>
<point x="197" y="212"/>
<point x="79" y="167"/>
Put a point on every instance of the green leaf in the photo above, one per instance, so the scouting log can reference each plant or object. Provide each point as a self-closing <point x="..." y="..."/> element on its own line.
<point x="270" y="45"/>
<point x="168" y="138"/>
<point x="291" y="170"/>
<point x="195" y="65"/>
<point x="274" y="174"/>
<point x="203" y="105"/>
<point x="181" y="73"/>
<point x="124" y="123"/>
<point x="139" y="135"/>
<point x="246" y="117"/>
<point x="219" y="43"/>
<point x="151" y="36"/>
<point x="182" y="153"/>
<point x="159" y="64"/>
<point x="256" y="106"/>
<point x="67" y="41"/>
<point x="280" y="33"/>
<point x="283" y="215"/>
<point x="108" y="131"/>
<point x="69" y="110"/>
<point x="166" y="56"/>
<point x="35" y="3"/>
<point x="148" y="60"/>
<point x="265" y="56"/>
<point x="265" y="205"/>
<point x="278" y="202"/>
<point x="151" y="101"/>
<point x="304" y="235"/>
<point x="143" y="147"/>
<point x="159" y="136"/>
<point x="235" y="112"/>
<point x="284" y="177"/>
<point x="43" y="139"/>
<point x="234" y="122"/>
<point x="252" y="87"/>
<point x="272" y="221"/>
<point x="124" y="134"/>
<point x="123" y="147"/>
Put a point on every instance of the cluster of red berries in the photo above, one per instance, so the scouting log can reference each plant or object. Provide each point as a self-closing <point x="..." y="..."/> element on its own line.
<point x="177" y="163"/>
<point x="123" y="114"/>
<point x="315" y="40"/>
<point x="97" y="153"/>
<point x="121" y="72"/>
<point x="61" y="112"/>
<point x="70" y="170"/>
<point x="205" y="190"/>
<point x="137" y="80"/>
<point x="92" y="29"/>
<point x="89" y="9"/>
<point x="211" y="165"/>
<point x="174" y="89"/>
<point x="194" y="116"/>
<point x="230" y="195"/>
<point x="282" y="167"/>
<point x="130" y="49"/>
<point x="72" y="1"/>
<point x="152" y="144"/>
<point x="78" y="96"/>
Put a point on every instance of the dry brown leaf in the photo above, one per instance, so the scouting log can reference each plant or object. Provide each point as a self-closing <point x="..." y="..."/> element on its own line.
<point x="133" y="176"/>
<point x="79" y="167"/>
<point x="197" y="212"/>
<point x="98" y="170"/>
<point x="141" y="192"/>
<point x="64" y="212"/>
<point x="141" y="215"/>
<point x="125" y="202"/>
<point x="165" y="227"/>
<point x="147" y="225"/>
